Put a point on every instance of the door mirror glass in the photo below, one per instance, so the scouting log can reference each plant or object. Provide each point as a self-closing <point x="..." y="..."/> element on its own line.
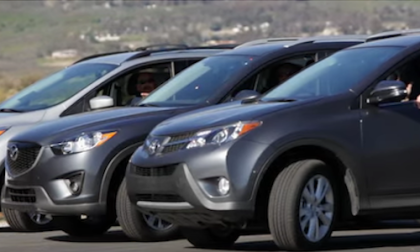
<point x="101" y="102"/>
<point x="388" y="91"/>
<point x="245" y="94"/>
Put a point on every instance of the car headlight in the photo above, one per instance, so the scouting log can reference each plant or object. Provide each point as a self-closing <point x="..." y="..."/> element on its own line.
<point x="222" y="134"/>
<point x="83" y="142"/>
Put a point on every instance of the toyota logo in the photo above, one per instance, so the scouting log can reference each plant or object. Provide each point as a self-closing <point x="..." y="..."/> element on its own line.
<point x="13" y="152"/>
<point x="154" y="146"/>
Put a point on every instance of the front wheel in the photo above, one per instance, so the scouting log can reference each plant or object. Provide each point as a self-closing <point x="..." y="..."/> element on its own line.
<point x="302" y="207"/>
<point x="27" y="222"/>
<point x="142" y="227"/>
<point x="211" y="238"/>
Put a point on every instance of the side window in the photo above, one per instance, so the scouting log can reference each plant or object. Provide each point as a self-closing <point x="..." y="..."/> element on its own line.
<point x="276" y="73"/>
<point x="133" y="86"/>
<point x="127" y="89"/>
<point x="179" y="66"/>
<point x="323" y="54"/>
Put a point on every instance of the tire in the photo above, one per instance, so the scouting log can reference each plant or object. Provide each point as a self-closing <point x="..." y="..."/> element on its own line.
<point x="22" y="222"/>
<point x="77" y="227"/>
<point x="133" y="222"/>
<point x="285" y="205"/>
<point x="211" y="238"/>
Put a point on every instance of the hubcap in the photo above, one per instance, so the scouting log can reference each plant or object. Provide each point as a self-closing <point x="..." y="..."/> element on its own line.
<point x="40" y="219"/>
<point x="156" y="223"/>
<point x="316" y="208"/>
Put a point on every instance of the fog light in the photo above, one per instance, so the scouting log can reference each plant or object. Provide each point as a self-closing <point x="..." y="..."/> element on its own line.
<point x="74" y="182"/>
<point x="74" y="186"/>
<point x="223" y="186"/>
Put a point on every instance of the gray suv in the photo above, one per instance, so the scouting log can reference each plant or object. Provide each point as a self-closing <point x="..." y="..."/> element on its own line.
<point x="96" y="82"/>
<point x="79" y="162"/>
<point x="336" y="142"/>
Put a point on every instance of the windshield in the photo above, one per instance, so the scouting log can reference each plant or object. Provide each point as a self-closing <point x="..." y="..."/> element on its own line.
<point x="197" y="83"/>
<point x="57" y="87"/>
<point x="334" y="75"/>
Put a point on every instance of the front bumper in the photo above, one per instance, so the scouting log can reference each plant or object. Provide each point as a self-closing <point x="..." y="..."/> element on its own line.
<point x="42" y="181"/>
<point x="36" y="199"/>
<point x="183" y="187"/>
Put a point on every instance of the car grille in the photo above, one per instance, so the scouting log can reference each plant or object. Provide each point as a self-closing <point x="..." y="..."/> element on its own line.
<point x="173" y="148"/>
<point x="159" y="198"/>
<point x="153" y="172"/>
<point x="24" y="159"/>
<point x="181" y="137"/>
<point x="177" y="142"/>
<point x="21" y="195"/>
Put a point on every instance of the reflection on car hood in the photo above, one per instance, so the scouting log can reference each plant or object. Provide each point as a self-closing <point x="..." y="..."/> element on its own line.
<point x="13" y="119"/>
<point x="216" y="116"/>
<point x="98" y="120"/>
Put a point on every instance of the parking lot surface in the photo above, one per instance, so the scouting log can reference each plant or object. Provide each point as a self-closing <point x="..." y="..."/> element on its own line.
<point x="389" y="237"/>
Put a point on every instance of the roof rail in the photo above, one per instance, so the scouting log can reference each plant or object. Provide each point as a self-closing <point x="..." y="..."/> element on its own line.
<point x="161" y="46"/>
<point x="220" y="46"/>
<point x="266" y="40"/>
<point x="313" y="39"/>
<point x="147" y="50"/>
<point x="391" y="34"/>
<point x="99" y="55"/>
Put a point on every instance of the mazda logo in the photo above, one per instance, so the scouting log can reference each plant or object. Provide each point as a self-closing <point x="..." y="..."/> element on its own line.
<point x="13" y="152"/>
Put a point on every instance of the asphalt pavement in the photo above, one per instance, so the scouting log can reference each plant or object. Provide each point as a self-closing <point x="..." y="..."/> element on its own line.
<point x="389" y="237"/>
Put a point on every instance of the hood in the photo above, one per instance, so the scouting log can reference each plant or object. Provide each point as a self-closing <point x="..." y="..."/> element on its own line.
<point x="13" y="119"/>
<point x="97" y="120"/>
<point x="216" y="116"/>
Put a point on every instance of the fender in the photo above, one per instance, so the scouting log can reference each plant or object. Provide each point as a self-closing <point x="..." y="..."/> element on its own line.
<point x="112" y="166"/>
<point x="356" y="187"/>
<point x="2" y="174"/>
<point x="2" y="177"/>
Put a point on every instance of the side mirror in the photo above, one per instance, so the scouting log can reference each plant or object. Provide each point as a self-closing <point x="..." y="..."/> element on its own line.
<point x="388" y="91"/>
<point x="101" y="102"/>
<point x="245" y="94"/>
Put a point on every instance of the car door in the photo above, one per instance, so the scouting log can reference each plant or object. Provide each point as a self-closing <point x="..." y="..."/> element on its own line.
<point x="391" y="149"/>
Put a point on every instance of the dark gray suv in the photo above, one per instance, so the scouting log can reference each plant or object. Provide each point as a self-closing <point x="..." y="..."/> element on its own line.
<point x="73" y="167"/>
<point x="97" y="82"/>
<point x="338" y="140"/>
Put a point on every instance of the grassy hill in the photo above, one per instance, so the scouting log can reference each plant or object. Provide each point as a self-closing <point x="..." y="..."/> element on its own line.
<point x="31" y="30"/>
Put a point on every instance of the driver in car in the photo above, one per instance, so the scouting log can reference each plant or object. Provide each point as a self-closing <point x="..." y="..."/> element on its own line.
<point x="145" y="84"/>
<point x="287" y="70"/>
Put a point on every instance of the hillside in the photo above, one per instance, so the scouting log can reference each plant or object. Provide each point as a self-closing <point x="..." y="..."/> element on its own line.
<point x="38" y="37"/>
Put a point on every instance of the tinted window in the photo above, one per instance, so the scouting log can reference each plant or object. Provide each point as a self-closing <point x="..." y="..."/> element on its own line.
<point x="197" y="83"/>
<point x="181" y="65"/>
<point x="57" y="87"/>
<point x="335" y="74"/>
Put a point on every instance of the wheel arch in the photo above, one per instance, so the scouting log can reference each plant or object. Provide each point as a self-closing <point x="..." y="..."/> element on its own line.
<point x="2" y="176"/>
<point x="115" y="171"/>
<point x="331" y="153"/>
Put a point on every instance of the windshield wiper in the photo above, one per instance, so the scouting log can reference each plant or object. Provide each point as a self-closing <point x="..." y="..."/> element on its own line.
<point x="148" y="105"/>
<point x="279" y="100"/>
<point x="9" y="110"/>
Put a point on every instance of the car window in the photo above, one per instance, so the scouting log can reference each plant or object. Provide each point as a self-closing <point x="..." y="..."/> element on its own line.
<point x="334" y="75"/>
<point x="275" y="73"/>
<point x="183" y="64"/>
<point x="124" y="89"/>
<point x="135" y="86"/>
<point x="198" y="82"/>
<point x="57" y="87"/>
